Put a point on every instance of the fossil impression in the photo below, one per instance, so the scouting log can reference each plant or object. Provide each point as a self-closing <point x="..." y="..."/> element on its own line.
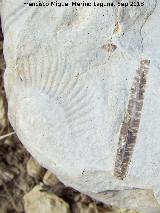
<point x="82" y="85"/>
<point x="131" y="121"/>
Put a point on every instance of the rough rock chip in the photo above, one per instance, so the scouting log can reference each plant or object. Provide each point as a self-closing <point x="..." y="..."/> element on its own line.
<point x="50" y="179"/>
<point x="34" y="169"/>
<point x="83" y="208"/>
<point x="37" y="201"/>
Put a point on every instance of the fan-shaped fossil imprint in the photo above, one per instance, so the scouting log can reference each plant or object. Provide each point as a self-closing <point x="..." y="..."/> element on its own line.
<point x="130" y="125"/>
<point x="64" y="86"/>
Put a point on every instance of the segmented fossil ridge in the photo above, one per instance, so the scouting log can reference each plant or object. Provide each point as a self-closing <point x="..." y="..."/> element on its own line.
<point x="131" y="122"/>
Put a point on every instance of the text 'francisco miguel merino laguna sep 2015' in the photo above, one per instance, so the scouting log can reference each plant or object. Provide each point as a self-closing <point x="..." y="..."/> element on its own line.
<point x="85" y="4"/>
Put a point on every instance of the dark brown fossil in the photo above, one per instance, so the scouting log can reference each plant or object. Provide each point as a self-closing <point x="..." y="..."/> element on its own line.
<point x="130" y="124"/>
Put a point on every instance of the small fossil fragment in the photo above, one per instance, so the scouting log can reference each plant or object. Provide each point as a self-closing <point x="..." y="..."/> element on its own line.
<point x="109" y="47"/>
<point x="130" y="125"/>
<point x="117" y="29"/>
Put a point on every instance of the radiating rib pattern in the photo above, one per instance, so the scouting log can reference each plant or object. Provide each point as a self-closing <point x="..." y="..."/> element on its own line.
<point x="49" y="72"/>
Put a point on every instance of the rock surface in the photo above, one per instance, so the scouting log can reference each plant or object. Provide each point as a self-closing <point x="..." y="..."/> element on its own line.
<point x="50" y="179"/>
<point x="68" y="89"/>
<point x="145" y="199"/>
<point x="15" y="157"/>
<point x="38" y="201"/>
<point x="34" y="169"/>
<point x="82" y="208"/>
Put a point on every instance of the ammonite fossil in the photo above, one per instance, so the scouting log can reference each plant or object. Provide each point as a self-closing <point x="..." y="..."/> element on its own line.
<point x="82" y="85"/>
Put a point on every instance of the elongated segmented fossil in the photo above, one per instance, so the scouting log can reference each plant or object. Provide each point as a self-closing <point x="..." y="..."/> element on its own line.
<point x="130" y="125"/>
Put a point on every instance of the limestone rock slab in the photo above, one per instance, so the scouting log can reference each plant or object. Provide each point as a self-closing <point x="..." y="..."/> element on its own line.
<point x="69" y="79"/>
